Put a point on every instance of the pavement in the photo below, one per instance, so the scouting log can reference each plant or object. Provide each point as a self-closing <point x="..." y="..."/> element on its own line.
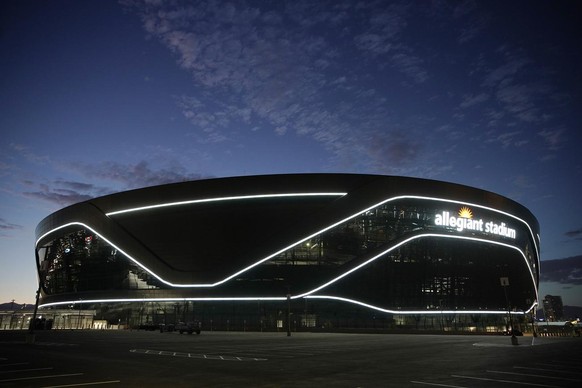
<point x="68" y="358"/>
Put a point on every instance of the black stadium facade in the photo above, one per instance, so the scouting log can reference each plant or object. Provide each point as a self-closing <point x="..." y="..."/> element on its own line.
<point x="295" y="251"/>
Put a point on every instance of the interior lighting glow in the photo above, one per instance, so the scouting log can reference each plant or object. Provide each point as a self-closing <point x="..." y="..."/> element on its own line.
<point x="414" y="238"/>
<point x="309" y="293"/>
<point x="108" y="242"/>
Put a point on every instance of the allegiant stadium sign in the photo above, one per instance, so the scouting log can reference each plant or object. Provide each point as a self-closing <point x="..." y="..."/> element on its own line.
<point x="465" y="221"/>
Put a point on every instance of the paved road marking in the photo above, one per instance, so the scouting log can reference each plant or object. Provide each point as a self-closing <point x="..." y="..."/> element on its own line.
<point x="40" y="377"/>
<point x="548" y="370"/>
<point x="191" y="355"/>
<point x="499" y="345"/>
<point x="24" y="370"/>
<point x="16" y="363"/>
<point x="436" y="385"/>
<point x="530" y="375"/>
<point x="84" y="384"/>
<point x="37" y="343"/>
<point x="556" y="365"/>
<point x="504" y="381"/>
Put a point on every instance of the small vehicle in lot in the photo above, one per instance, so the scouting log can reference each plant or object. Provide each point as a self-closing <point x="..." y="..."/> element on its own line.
<point x="190" y="327"/>
<point x="166" y="328"/>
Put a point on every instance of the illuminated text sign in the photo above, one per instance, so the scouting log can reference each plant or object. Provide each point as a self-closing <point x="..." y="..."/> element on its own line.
<point x="465" y="221"/>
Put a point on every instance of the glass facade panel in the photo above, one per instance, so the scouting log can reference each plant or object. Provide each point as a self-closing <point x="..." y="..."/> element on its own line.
<point x="427" y="272"/>
<point x="82" y="261"/>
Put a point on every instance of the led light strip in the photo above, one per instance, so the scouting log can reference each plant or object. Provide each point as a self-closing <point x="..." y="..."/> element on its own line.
<point x="405" y="312"/>
<point x="328" y="194"/>
<point x="308" y="294"/>
<point x="207" y="285"/>
<point x="414" y="238"/>
<point x="122" y="300"/>
<point x="194" y="201"/>
<point x="255" y="299"/>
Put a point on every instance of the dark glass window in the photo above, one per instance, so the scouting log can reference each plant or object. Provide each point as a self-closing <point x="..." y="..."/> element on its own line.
<point x="83" y="261"/>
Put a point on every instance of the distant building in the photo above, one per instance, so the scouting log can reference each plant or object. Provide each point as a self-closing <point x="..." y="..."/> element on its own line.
<point x="553" y="308"/>
<point x="304" y="250"/>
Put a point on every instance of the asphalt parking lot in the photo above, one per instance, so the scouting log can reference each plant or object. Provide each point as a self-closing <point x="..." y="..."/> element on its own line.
<point x="60" y="358"/>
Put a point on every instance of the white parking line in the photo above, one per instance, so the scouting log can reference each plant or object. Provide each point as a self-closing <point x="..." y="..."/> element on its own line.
<point x="84" y="384"/>
<point x="191" y="355"/>
<point x="24" y="370"/>
<point x="548" y="370"/>
<point x="436" y="384"/>
<point x="564" y="363"/>
<point x="40" y="377"/>
<point x="530" y="375"/>
<point x="505" y="381"/>
<point x="16" y="363"/>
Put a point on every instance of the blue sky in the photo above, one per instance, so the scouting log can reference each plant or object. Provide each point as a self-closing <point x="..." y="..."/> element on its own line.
<point x="101" y="97"/>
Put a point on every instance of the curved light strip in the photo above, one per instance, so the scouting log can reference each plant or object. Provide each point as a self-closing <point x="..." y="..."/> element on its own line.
<point x="113" y="245"/>
<point x="475" y="205"/>
<point x="405" y="312"/>
<point x="190" y="202"/>
<point x="414" y="238"/>
<point x="209" y="285"/>
<point x="329" y="194"/>
<point x="255" y="299"/>
<point x="308" y="294"/>
<point x="121" y="300"/>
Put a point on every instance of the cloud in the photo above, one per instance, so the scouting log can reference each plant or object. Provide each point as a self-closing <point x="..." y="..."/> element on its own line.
<point x="522" y="182"/>
<point x="574" y="234"/>
<point x="469" y="33"/>
<point x="506" y="72"/>
<point x="565" y="271"/>
<point x="410" y="65"/>
<point x="138" y="175"/>
<point x="506" y="138"/>
<point x="277" y="68"/>
<point x="7" y="226"/>
<point x="519" y="86"/>
<point x="522" y="100"/>
<point x="57" y="196"/>
<point x="553" y="138"/>
<point x="470" y="100"/>
<point x="117" y="176"/>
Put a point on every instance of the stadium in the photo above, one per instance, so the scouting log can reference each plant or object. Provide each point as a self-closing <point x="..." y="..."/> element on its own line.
<point x="292" y="252"/>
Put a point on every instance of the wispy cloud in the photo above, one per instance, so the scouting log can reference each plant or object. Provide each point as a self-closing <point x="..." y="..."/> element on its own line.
<point x="410" y="65"/>
<point x="7" y="226"/>
<point x="277" y="68"/>
<point x="470" y="100"/>
<point x="116" y="176"/>
<point x="553" y="138"/>
<point x="56" y="195"/>
<point x="140" y="174"/>
<point x="574" y="234"/>
<point x="565" y="271"/>
<point x="506" y="139"/>
<point x="334" y="71"/>
<point x="504" y="73"/>
<point x="522" y="100"/>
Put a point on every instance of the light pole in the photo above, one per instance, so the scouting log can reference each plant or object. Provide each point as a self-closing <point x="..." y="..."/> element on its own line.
<point x="288" y="315"/>
<point x="505" y="283"/>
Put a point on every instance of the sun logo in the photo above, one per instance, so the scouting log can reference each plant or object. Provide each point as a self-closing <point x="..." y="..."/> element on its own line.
<point x="465" y="212"/>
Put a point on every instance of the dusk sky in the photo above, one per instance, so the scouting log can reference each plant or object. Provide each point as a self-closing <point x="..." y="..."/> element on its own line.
<point x="98" y="97"/>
